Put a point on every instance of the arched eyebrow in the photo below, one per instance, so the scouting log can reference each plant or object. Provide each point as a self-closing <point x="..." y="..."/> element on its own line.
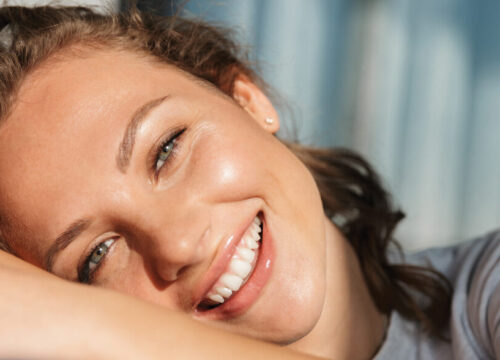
<point x="127" y="144"/>
<point x="125" y="150"/>
<point x="63" y="240"/>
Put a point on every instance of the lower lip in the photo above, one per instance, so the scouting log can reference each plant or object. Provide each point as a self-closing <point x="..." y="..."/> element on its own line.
<point x="250" y="291"/>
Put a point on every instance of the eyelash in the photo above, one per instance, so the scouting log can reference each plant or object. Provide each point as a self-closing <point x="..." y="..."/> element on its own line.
<point x="85" y="274"/>
<point x="171" y="140"/>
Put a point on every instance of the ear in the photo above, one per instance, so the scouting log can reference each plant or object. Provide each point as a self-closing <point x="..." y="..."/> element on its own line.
<point x="256" y="103"/>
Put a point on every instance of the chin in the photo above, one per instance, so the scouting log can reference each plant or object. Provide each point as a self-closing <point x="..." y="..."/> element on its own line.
<point x="288" y="330"/>
<point x="292" y="305"/>
<point x="291" y="329"/>
<point x="283" y="320"/>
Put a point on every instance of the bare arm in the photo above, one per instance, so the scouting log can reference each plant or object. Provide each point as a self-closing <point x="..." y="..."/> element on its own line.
<point x="46" y="317"/>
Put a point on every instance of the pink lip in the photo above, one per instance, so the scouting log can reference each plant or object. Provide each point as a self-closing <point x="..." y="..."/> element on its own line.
<point x="220" y="262"/>
<point x="250" y="291"/>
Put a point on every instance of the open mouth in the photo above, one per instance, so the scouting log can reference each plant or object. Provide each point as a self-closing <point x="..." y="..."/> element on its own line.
<point x="238" y="270"/>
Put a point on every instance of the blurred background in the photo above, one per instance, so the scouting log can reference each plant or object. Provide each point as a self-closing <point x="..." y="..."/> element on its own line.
<point x="412" y="85"/>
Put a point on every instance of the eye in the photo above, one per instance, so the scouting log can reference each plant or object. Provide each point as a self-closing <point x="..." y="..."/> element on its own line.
<point x="166" y="151"/>
<point x="93" y="261"/>
<point x="164" y="154"/>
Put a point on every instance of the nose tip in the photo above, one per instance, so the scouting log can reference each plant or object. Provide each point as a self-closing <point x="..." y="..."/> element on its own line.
<point x="169" y="274"/>
<point x="171" y="257"/>
<point x="171" y="239"/>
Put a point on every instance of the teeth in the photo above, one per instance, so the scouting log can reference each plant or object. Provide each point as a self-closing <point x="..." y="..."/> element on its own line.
<point x="245" y="254"/>
<point x="254" y="231"/>
<point x="216" y="297"/>
<point x="240" y="266"/>
<point x="231" y="281"/>
<point x="224" y="291"/>
<point x="251" y="243"/>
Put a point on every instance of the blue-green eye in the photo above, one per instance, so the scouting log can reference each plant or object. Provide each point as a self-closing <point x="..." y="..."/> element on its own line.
<point x="164" y="154"/>
<point x="94" y="260"/>
<point x="166" y="151"/>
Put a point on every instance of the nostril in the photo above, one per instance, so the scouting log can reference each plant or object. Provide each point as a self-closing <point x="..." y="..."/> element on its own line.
<point x="163" y="273"/>
<point x="171" y="275"/>
<point x="181" y="271"/>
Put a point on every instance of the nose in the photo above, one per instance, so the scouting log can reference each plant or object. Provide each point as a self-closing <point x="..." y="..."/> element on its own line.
<point x="170" y="254"/>
<point x="169" y="238"/>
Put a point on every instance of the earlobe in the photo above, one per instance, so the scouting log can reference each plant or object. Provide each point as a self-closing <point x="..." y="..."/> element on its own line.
<point x="256" y="103"/>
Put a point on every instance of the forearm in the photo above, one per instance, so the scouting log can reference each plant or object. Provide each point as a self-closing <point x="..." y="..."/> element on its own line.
<point x="175" y="336"/>
<point x="46" y="317"/>
<point x="43" y="316"/>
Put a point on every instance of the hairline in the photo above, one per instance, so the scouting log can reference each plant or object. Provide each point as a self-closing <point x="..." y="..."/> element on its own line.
<point x="81" y="49"/>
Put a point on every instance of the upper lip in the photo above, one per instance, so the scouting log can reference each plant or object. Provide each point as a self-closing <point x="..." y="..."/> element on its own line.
<point x="219" y="264"/>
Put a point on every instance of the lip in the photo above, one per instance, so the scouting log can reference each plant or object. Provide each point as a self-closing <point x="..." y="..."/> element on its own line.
<point x="224" y="255"/>
<point x="250" y="291"/>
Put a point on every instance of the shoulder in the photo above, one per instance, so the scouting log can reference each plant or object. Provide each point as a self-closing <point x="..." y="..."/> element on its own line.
<point x="473" y="268"/>
<point x="480" y="295"/>
<point x="465" y="260"/>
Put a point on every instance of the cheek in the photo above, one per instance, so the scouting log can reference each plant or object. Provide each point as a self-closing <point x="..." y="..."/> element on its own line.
<point x="228" y="168"/>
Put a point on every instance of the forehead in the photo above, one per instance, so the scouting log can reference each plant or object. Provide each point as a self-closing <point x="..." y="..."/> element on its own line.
<point x="67" y="122"/>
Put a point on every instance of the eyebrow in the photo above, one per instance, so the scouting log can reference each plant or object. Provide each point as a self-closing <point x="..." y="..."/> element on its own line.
<point x="122" y="160"/>
<point x="64" y="239"/>
<point x="127" y="144"/>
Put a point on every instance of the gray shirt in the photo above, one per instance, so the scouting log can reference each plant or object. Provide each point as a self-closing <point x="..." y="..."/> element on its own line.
<point x="474" y="328"/>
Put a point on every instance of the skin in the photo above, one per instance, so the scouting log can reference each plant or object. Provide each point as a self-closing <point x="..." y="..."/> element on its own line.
<point x="57" y="319"/>
<point x="58" y="154"/>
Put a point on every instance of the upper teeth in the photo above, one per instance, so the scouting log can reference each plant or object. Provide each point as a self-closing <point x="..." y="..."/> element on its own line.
<point x="240" y="266"/>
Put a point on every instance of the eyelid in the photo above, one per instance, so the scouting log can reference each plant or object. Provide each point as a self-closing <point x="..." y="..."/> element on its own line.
<point x="152" y="158"/>
<point x="88" y="253"/>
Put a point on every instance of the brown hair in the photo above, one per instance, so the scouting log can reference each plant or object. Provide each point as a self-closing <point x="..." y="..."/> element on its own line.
<point x="349" y="187"/>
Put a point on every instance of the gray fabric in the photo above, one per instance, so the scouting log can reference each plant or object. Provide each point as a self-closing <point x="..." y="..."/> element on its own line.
<point x="474" y="270"/>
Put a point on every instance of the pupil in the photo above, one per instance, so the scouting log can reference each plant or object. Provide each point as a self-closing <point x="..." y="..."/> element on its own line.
<point x="101" y="250"/>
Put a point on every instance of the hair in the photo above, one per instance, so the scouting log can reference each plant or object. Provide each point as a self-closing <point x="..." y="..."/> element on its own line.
<point x="349" y="187"/>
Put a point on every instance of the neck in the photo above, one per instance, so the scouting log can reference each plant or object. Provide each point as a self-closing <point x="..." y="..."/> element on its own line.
<point x="350" y="326"/>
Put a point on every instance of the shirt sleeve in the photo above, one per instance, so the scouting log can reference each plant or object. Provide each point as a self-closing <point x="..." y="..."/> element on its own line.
<point x="483" y="305"/>
<point x="494" y="321"/>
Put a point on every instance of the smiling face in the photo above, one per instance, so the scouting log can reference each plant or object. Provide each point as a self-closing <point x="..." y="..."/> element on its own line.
<point x="156" y="177"/>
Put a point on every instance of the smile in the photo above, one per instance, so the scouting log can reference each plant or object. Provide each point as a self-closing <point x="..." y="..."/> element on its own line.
<point x="243" y="274"/>
<point x="238" y="270"/>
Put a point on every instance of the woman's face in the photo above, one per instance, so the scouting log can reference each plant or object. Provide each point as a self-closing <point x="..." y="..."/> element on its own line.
<point x="150" y="180"/>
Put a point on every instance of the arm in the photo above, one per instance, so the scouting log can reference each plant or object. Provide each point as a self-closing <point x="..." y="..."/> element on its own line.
<point x="46" y="317"/>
